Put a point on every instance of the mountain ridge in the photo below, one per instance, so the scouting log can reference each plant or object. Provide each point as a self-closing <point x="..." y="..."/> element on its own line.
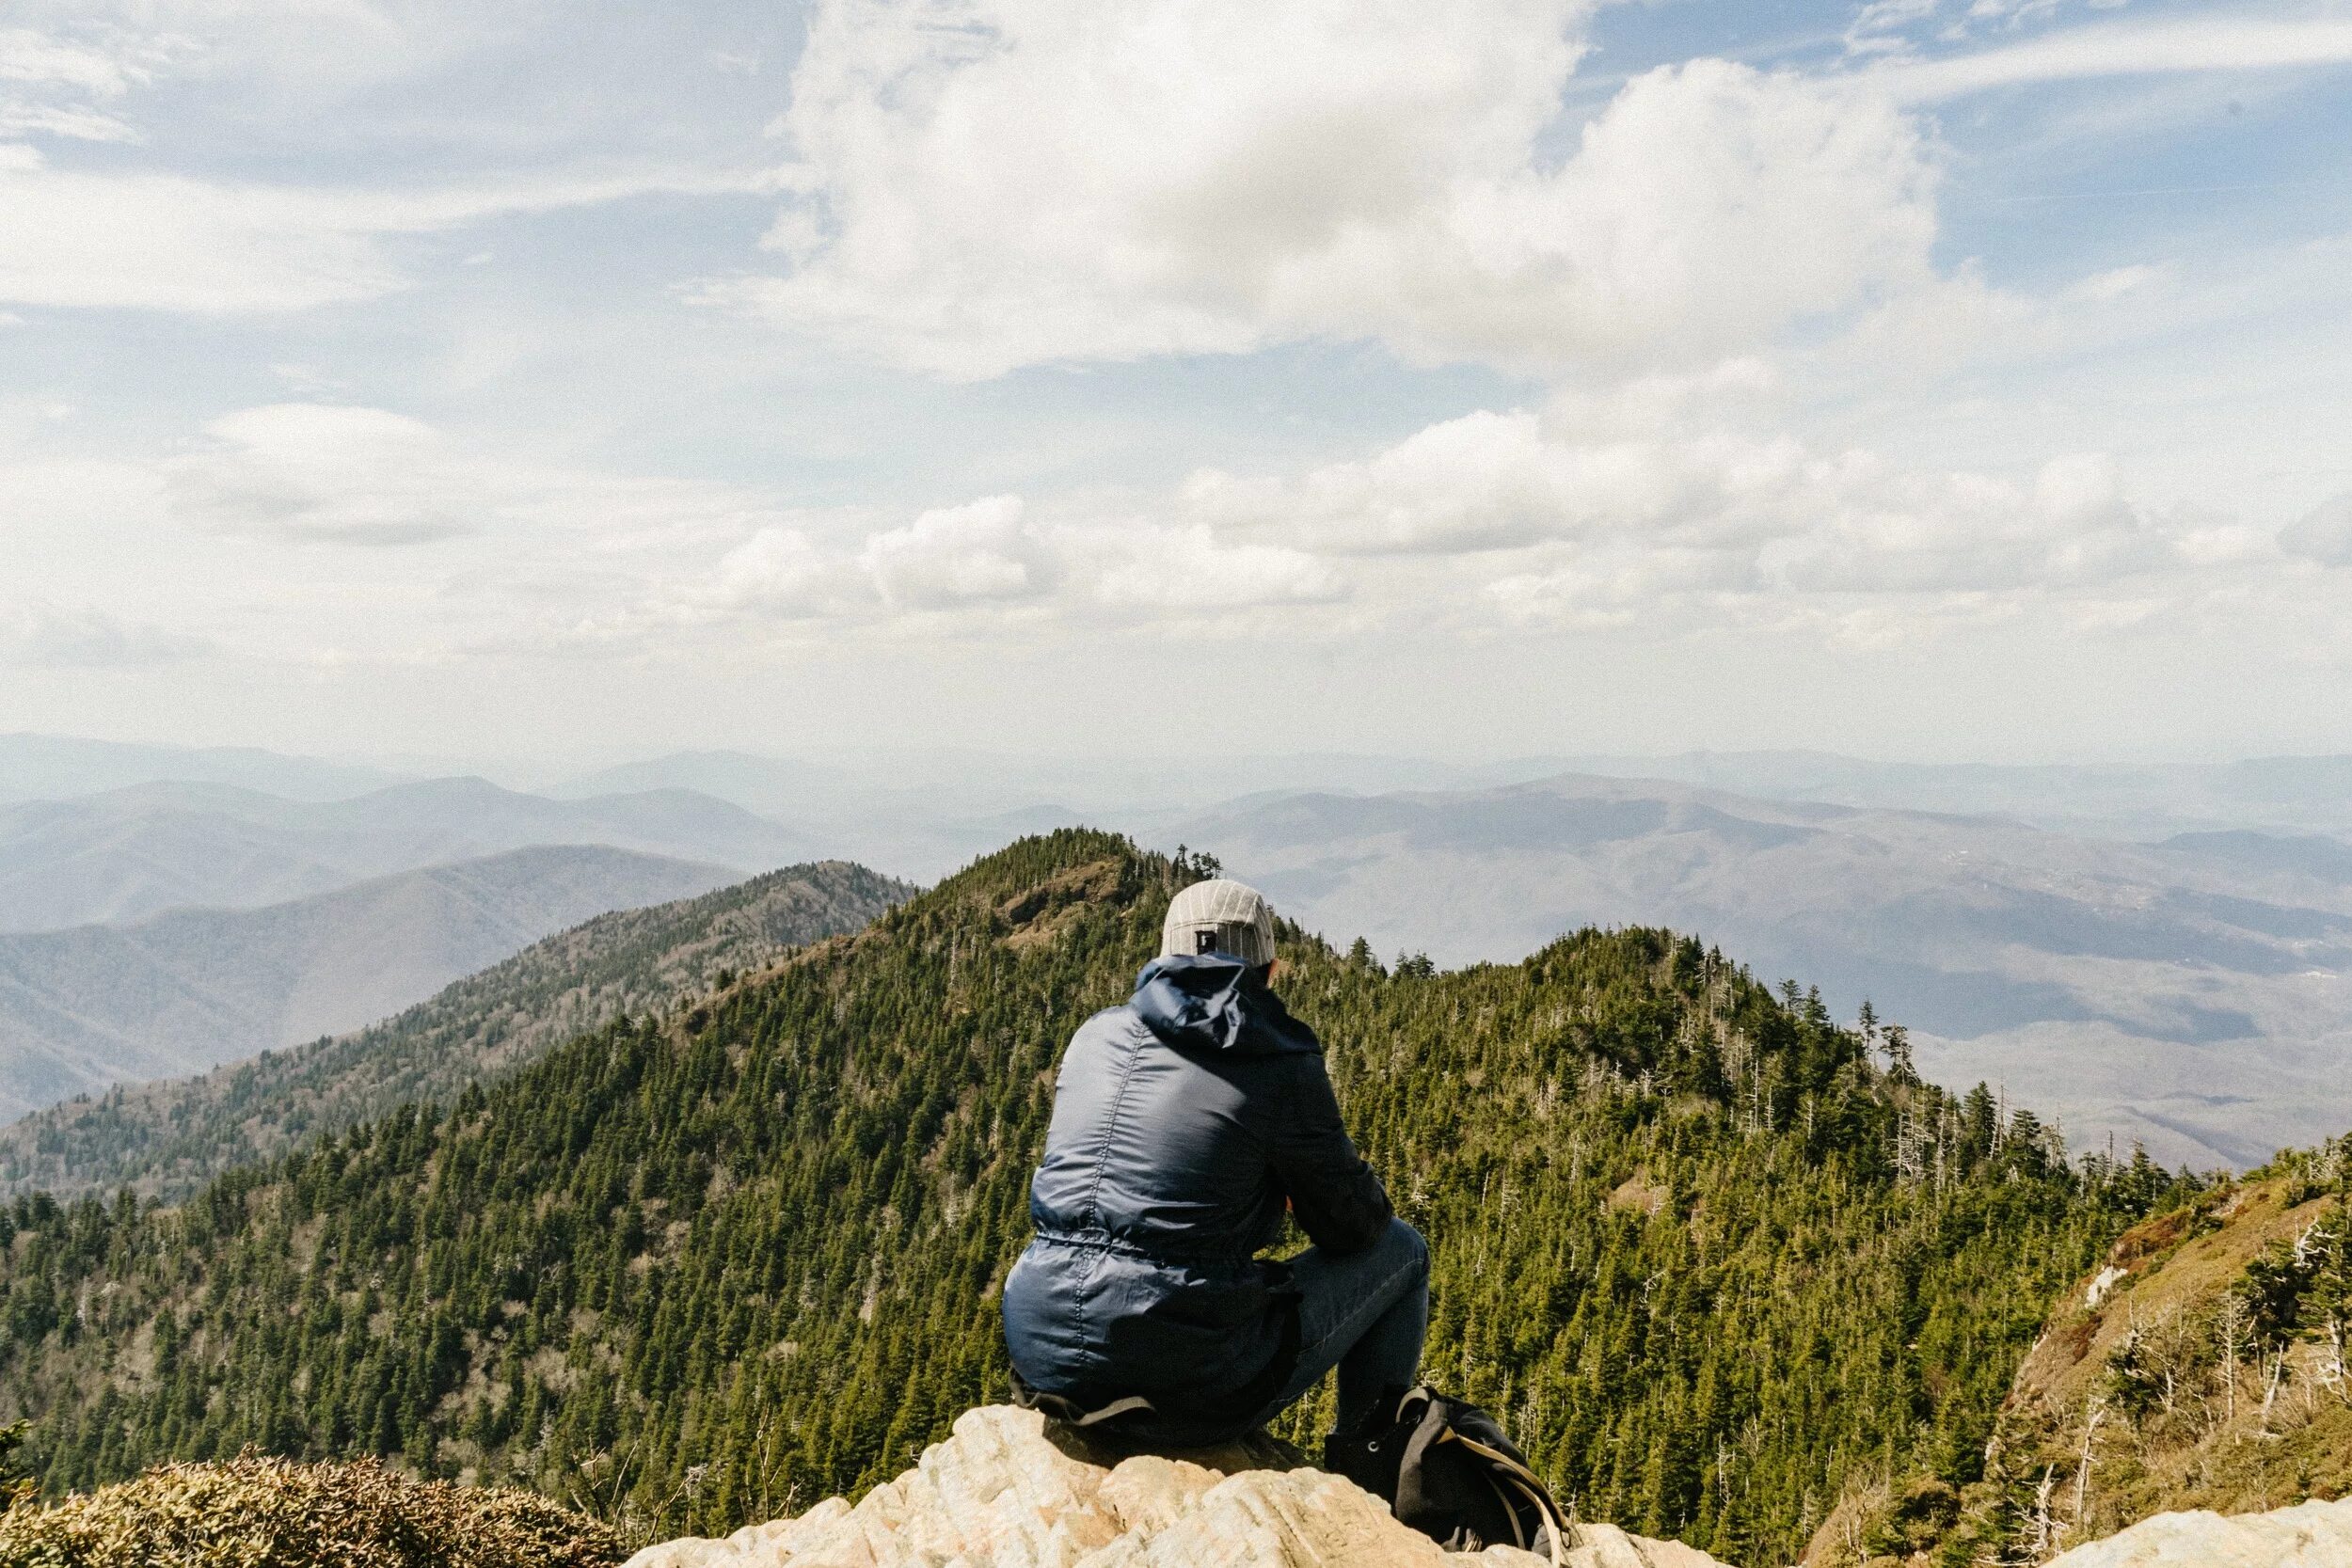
<point x="757" y="1240"/>
<point x="180" y="992"/>
<point x="137" y="851"/>
<point x="163" y="1138"/>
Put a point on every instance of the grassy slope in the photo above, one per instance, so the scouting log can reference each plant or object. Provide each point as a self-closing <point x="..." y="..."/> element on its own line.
<point x="2127" y="1406"/>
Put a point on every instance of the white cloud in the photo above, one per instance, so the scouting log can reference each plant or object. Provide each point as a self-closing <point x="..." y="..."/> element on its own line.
<point x="1184" y="570"/>
<point x="306" y="470"/>
<point x="2213" y="41"/>
<point x="316" y="472"/>
<point x="1554" y="519"/>
<point x="994" y="184"/>
<point x="776" y="571"/>
<point x="43" y="634"/>
<point x="38" y="59"/>
<point x="988" y="555"/>
<point x="58" y="85"/>
<point x="172" y="243"/>
<point x="954" y="556"/>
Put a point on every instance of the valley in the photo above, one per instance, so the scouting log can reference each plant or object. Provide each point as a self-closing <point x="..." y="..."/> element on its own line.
<point x="2193" y="995"/>
<point x="91" y="1007"/>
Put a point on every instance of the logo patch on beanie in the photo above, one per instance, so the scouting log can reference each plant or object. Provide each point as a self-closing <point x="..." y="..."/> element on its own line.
<point x="1204" y="940"/>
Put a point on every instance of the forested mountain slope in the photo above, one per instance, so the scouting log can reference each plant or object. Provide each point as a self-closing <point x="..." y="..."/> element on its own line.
<point x="95" y="1006"/>
<point x="1708" y="1262"/>
<point x="165" y="1138"/>
<point x="2201" y="1366"/>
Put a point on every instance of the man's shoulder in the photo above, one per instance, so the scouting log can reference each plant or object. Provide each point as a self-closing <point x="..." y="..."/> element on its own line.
<point x="1120" y="1022"/>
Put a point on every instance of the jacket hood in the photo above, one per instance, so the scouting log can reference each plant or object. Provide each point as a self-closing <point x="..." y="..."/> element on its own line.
<point x="1210" y="1002"/>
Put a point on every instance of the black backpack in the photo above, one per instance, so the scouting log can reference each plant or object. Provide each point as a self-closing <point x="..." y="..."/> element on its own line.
<point x="1446" y="1469"/>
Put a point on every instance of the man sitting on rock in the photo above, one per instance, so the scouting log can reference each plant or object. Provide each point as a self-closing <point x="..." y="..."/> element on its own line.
<point x="1182" y="1122"/>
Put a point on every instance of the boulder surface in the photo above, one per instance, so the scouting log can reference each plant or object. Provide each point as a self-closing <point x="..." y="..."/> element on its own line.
<point x="1008" y="1491"/>
<point x="2309" y="1535"/>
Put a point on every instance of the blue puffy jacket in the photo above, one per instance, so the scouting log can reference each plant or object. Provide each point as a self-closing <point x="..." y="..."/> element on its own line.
<point x="1181" y="1122"/>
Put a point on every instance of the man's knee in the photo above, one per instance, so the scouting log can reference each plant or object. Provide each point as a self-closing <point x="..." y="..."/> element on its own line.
<point x="1408" y="1247"/>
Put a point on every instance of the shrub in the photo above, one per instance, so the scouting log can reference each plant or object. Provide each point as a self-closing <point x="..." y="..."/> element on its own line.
<point x="259" y="1513"/>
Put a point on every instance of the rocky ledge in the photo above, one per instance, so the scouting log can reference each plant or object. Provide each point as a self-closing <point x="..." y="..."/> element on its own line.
<point x="2310" y="1535"/>
<point x="1007" y="1492"/>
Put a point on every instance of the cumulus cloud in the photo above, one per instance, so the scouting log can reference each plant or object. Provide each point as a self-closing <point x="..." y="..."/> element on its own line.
<point x="957" y="555"/>
<point x="1553" y="520"/>
<point x="992" y="551"/>
<point x="45" y="635"/>
<point x="777" y="571"/>
<point x="1185" y="569"/>
<point x="983" y="559"/>
<point x="989" y="184"/>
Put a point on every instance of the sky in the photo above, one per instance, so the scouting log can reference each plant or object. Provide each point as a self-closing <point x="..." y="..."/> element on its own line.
<point x="1934" y="379"/>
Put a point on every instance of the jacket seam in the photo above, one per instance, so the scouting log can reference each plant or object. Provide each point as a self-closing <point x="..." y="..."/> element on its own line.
<point x="1093" y="1210"/>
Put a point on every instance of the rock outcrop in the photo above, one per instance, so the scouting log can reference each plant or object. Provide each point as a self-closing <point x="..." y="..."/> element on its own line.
<point x="1007" y="1492"/>
<point x="2310" y="1535"/>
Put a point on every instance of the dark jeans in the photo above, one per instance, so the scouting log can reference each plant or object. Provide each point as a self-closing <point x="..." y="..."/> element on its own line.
<point x="1366" y="1314"/>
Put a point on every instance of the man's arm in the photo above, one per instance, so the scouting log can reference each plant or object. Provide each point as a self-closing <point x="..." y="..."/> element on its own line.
<point x="1339" y="1202"/>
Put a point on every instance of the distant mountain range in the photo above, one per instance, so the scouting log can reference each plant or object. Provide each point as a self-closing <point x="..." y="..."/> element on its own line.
<point x="52" y="766"/>
<point x="2195" y="995"/>
<point x="2156" y="951"/>
<point x="176" y="993"/>
<point x="127" y="854"/>
<point x="167" y="1137"/>
<point x="2310" y="794"/>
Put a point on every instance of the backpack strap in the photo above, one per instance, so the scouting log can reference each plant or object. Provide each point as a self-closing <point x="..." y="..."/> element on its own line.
<point x="1528" y="1484"/>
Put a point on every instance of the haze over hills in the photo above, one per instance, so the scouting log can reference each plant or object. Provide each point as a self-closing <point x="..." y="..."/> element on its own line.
<point x="2183" y="988"/>
<point x="2193" y="994"/>
<point x="2306" y="793"/>
<point x="165" y="1138"/>
<point x="179" y="993"/>
<point x="52" y="766"/>
<point x="131" y="852"/>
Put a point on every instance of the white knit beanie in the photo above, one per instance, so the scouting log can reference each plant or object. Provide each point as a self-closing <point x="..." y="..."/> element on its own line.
<point x="1219" y="916"/>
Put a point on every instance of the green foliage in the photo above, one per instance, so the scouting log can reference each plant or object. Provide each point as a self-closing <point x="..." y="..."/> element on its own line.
<point x="260" y="1513"/>
<point x="1706" y="1259"/>
<point x="2302" y="1286"/>
<point x="15" y="1485"/>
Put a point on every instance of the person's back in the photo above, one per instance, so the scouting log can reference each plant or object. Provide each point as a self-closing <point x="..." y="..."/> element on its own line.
<point x="1183" y="1124"/>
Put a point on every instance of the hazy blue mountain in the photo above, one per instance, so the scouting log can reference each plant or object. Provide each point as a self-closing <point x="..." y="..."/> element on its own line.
<point x="183" y="992"/>
<point x="128" y="853"/>
<point x="2122" y="800"/>
<point x="770" y="785"/>
<point x="2198" y="996"/>
<point x="167" y="1136"/>
<point x="50" y="767"/>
